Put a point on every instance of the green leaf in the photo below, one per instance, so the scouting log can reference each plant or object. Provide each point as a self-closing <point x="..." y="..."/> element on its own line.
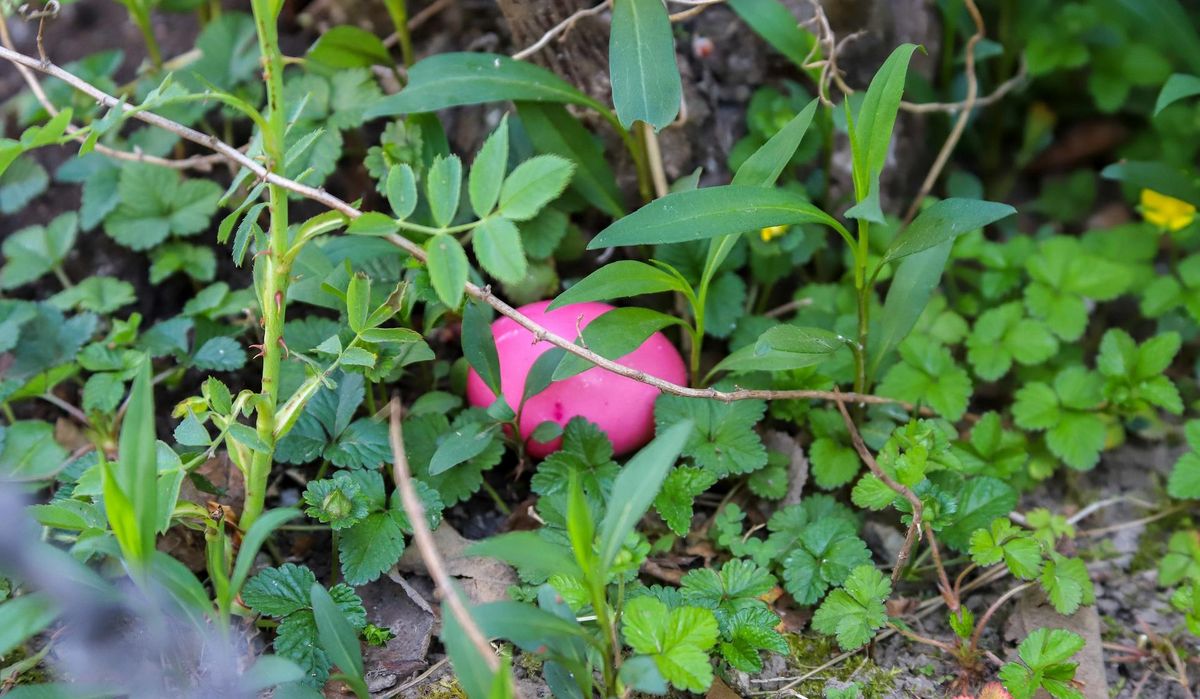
<point x="463" y="444"/>
<point x="448" y="268"/>
<point x="773" y="21"/>
<point x="278" y="592"/>
<point x="358" y="298"/>
<point x="826" y="552"/>
<point x="23" y="617"/>
<point x="641" y="52"/>
<point x="877" y="116"/>
<point x="346" y="46"/>
<point x="553" y="130"/>
<point x="637" y="486"/>
<point x="679" y="490"/>
<point x="913" y="283"/>
<point x="620" y="279"/>
<point x="371" y="547"/>
<point x="103" y="392"/>
<point x="677" y="640"/>
<point x="943" y="221"/>
<point x="23" y="180"/>
<point x="613" y="335"/>
<point x="479" y="344"/>
<point x="1178" y="86"/>
<point x="710" y="212"/>
<point x="220" y="354"/>
<point x="531" y="554"/>
<point x="338" y="638"/>
<point x="96" y="294"/>
<point x="402" y="190"/>
<point x="928" y="374"/>
<point x="339" y="501"/>
<point x="1160" y="177"/>
<point x="136" y="471"/>
<point x="724" y="440"/>
<point x="498" y="247"/>
<point x="1044" y="654"/>
<point x="487" y="171"/>
<point x="458" y="79"/>
<point x="855" y="612"/>
<point x="981" y="500"/>
<point x="533" y="184"/>
<point x="766" y="164"/>
<point x="155" y="203"/>
<point x="792" y="339"/>
<point x="1019" y="550"/>
<point x="1066" y="583"/>
<point x="266" y="523"/>
<point x="31" y="252"/>
<point x="443" y="184"/>
<point x="197" y="261"/>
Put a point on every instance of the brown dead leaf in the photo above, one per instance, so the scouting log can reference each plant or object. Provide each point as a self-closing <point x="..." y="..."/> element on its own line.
<point x="720" y="690"/>
<point x="483" y="579"/>
<point x="797" y="463"/>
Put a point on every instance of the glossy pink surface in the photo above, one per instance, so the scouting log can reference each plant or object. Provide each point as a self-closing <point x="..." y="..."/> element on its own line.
<point x="622" y="407"/>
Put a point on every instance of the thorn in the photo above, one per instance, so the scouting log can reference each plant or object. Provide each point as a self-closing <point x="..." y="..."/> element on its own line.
<point x="260" y="351"/>
<point x="261" y="252"/>
<point x="279" y="302"/>
<point x="286" y="352"/>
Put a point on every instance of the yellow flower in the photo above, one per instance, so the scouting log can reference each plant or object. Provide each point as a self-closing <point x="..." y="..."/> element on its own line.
<point x="1166" y="212"/>
<point x="772" y="232"/>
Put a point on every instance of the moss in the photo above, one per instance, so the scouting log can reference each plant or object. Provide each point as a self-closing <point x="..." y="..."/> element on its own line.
<point x="530" y="663"/>
<point x="446" y="687"/>
<point x="811" y="652"/>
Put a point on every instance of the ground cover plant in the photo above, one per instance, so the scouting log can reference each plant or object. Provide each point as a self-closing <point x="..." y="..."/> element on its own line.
<point x="384" y="350"/>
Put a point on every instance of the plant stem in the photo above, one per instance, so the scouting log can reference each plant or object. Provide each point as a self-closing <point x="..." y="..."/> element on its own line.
<point x="398" y="10"/>
<point x="864" y="306"/>
<point x="274" y="266"/>
<point x="141" y="17"/>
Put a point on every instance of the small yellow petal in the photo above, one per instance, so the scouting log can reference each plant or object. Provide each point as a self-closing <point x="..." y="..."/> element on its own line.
<point x="772" y="232"/>
<point x="1166" y="212"/>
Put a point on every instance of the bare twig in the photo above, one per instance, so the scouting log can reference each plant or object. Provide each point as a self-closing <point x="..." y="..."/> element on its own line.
<point x="484" y="294"/>
<point x="202" y="163"/>
<point x="559" y="28"/>
<point x="425" y="543"/>
<point x="914" y="501"/>
<point x="991" y="611"/>
<point x="943" y="580"/>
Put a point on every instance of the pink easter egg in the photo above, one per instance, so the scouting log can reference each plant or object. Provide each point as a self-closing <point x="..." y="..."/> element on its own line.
<point x="620" y="406"/>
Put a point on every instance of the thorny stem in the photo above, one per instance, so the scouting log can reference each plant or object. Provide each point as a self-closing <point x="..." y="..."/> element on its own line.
<point x="273" y="268"/>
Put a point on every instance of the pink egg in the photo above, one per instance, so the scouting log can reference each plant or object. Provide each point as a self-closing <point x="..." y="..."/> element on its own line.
<point x="622" y="407"/>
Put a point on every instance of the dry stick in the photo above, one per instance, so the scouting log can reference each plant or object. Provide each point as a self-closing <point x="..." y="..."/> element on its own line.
<point x="917" y="508"/>
<point x="203" y="163"/>
<point x="425" y="543"/>
<point x="960" y="124"/>
<point x="484" y="294"/>
<point x="991" y="610"/>
<point x="943" y="581"/>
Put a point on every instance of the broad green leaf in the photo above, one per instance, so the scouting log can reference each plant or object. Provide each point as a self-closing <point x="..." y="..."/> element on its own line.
<point x="713" y="211"/>
<point x="641" y="58"/>
<point x="23" y="617"/>
<point x="402" y="190"/>
<point x="773" y="21"/>
<point x="769" y="161"/>
<point x="615" y="280"/>
<point x="465" y="443"/>
<point x="877" y="116"/>
<point x="553" y="130"/>
<point x="912" y="285"/>
<point x="371" y="547"/>
<point x="347" y="46"/>
<point x="252" y="542"/>
<point x="943" y="221"/>
<point x="470" y="668"/>
<point x="793" y="339"/>
<point x="479" y="344"/>
<point x="637" y="486"/>
<point x="28" y="451"/>
<point x="1160" y="177"/>
<point x="31" y="252"/>
<point x="443" y="183"/>
<point x="1178" y="86"/>
<point x="533" y="556"/>
<point x="448" y="268"/>
<point x="613" y="335"/>
<point x="677" y="639"/>
<point x="157" y="202"/>
<point x="458" y="79"/>
<point x="23" y="180"/>
<point x="487" y="171"/>
<point x="533" y="184"/>
<point x="497" y="244"/>
<point x="338" y="637"/>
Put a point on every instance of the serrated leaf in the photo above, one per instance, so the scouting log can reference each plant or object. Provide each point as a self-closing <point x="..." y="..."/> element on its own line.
<point x="676" y="639"/>
<point x="280" y="591"/>
<point x="498" y="248"/>
<point x="533" y="184"/>
<point x="220" y="354"/>
<point x="448" y="268"/>
<point x="487" y="171"/>
<point x="370" y="547"/>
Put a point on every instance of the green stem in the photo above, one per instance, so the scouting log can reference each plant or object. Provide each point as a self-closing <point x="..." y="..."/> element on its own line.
<point x="274" y="266"/>
<point x="398" y="10"/>
<point x="864" y="306"/>
<point x="141" y="18"/>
